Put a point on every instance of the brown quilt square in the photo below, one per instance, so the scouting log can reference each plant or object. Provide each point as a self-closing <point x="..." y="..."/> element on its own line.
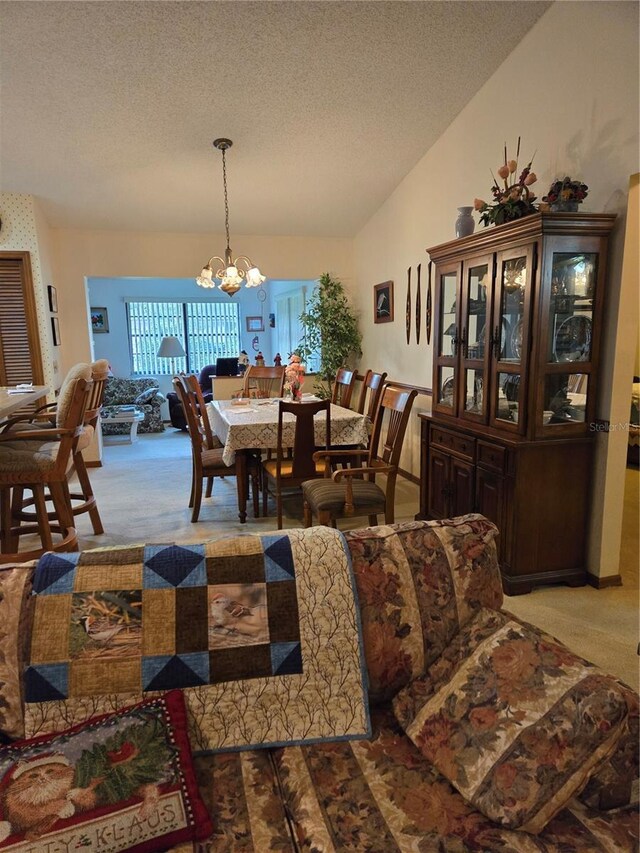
<point x="97" y="677"/>
<point x="159" y="629"/>
<point x="282" y="605"/>
<point x="51" y="629"/>
<point x="239" y="663"/>
<point x="235" y="568"/>
<point x="191" y="619"/>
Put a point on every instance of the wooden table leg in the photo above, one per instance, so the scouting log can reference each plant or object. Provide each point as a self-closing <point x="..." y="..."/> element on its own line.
<point x="241" y="481"/>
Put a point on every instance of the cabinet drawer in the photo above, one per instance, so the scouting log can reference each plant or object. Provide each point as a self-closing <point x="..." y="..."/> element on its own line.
<point x="461" y="445"/>
<point x="491" y="456"/>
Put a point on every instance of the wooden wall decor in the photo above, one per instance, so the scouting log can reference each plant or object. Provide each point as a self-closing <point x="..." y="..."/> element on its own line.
<point x="429" y="309"/>
<point x="418" y="306"/>
<point x="408" y="307"/>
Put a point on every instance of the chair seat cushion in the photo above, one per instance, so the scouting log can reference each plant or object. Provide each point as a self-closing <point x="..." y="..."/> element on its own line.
<point x="286" y="468"/>
<point x="325" y="495"/>
<point x="39" y="458"/>
<point x="213" y="459"/>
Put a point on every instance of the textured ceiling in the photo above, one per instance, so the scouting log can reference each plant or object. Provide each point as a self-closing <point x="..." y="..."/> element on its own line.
<point x="109" y="108"/>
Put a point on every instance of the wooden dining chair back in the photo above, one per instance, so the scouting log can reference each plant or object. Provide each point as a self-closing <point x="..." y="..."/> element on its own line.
<point x="343" y="386"/>
<point x="206" y="463"/>
<point x="263" y="382"/>
<point x="192" y="384"/>
<point x="39" y="459"/>
<point x="370" y="393"/>
<point x="352" y="490"/>
<point x="290" y="471"/>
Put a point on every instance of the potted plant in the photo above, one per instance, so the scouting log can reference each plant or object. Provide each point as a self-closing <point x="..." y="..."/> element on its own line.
<point x="330" y="329"/>
<point x="565" y="195"/>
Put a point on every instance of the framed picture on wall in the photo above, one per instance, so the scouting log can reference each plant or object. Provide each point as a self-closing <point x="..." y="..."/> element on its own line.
<point x="383" y="302"/>
<point x="55" y="331"/>
<point x="99" y="320"/>
<point x="53" y="299"/>
<point x="255" y="324"/>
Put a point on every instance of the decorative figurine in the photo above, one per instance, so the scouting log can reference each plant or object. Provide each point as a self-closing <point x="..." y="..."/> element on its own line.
<point x="277" y="360"/>
<point x="243" y="361"/>
<point x="259" y="359"/>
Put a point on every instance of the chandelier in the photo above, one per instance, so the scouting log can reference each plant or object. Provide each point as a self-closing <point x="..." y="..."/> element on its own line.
<point x="231" y="270"/>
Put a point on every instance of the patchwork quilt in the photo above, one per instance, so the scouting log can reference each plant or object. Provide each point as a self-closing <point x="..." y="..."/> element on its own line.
<point x="261" y="632"/>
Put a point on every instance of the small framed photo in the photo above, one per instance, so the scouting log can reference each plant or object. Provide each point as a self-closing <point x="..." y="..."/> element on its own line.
<point x="383" y="302"/>
<point x="99" y="320"/>
<point x="55" y="331"/>
<point x="53" y="299"/>
<point x="255" y="324"/>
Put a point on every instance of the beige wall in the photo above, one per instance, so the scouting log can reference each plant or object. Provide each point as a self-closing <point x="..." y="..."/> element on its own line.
<point x="578" y="108"/>
<point x="104" y="253"/>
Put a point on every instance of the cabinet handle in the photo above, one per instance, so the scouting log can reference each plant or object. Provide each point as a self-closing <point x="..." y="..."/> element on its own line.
<point x="454" y="343"/>
<point x="465" y="344"/>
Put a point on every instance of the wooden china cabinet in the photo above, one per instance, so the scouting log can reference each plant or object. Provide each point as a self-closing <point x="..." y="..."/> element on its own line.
<point x="517" y="328"/>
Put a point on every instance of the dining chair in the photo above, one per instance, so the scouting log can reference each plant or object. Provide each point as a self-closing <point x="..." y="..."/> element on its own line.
<point x="39" y="459"/>
<point x="291" y="471"/>
<point x="263" y="382"/>
<point x="370" y="393"/>
<point x="193" y="384"/>
<point x="352" y="491"/>
<point x="343" y="386"/>
<point x="206" y="462"/>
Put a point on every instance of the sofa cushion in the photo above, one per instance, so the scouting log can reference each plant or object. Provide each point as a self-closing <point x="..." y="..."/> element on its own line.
<point x="383" y="795"/>
<point x="513" y="719"/>
<point x="146" y="396"/>
<point x="15" y="589"/>
<point x="122" y="781"/>
<point x="419" y="582"/>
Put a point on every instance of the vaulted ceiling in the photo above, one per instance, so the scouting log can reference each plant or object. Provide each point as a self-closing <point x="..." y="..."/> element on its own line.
<point x="109" y="109"/>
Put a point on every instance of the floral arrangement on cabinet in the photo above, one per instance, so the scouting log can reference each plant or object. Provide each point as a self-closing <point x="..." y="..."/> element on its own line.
<point x="294" y="377"/>
<point x="511" y="200"/>
<point x="564" y="195"/>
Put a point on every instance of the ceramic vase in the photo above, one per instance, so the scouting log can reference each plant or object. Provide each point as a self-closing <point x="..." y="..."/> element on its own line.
<point x="465" y="223"/>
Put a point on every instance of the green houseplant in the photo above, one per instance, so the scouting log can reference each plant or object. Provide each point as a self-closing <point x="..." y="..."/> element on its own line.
<point x="330" y="329"/>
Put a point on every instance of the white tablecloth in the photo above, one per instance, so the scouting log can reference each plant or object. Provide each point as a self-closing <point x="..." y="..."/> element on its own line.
<point x="256" y="425"/>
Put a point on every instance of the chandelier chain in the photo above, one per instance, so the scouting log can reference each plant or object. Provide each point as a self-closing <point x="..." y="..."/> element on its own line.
<point x="226" y="197"/>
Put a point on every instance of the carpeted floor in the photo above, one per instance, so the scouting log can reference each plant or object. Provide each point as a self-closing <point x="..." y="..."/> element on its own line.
<point x="143" y="491"/>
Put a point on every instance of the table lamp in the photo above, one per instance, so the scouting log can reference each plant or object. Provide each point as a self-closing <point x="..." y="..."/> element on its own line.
<point x="170" y="347"/>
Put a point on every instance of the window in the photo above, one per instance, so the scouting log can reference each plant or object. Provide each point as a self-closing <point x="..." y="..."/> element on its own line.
<point x="207" y="330"/>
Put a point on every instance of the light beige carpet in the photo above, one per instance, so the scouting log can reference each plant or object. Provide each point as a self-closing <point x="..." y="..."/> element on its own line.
<point x="143" y="491"/>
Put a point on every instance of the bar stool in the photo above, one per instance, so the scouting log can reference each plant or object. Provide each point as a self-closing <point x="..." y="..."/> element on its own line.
<point x="39" y="459"/>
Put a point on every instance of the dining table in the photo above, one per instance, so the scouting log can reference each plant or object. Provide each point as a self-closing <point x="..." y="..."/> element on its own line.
<point x="252" y="424"/>
<point x="11" y="400"/>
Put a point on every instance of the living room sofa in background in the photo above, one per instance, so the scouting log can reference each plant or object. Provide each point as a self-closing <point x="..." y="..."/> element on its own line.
<point x="143" y="393"/>
<point x="429" y="594"/>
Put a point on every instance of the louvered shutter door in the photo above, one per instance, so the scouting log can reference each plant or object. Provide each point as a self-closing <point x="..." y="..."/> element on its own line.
<point x="20" y="359"/>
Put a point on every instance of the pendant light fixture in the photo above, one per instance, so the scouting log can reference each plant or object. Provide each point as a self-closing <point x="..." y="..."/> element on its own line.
<point x="231" y="270"/>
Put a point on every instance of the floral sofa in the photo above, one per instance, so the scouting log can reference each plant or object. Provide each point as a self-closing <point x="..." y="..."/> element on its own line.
<point x="449" y="674"/>
<point x="143" y="393"/>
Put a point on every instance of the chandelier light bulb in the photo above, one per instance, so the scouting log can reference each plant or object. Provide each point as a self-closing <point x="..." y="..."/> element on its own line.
<point x="254" y="277"/>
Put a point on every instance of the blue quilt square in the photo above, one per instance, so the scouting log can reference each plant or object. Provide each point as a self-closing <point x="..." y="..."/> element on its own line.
<point x="286" y="658"/>
<point x="171" y="566"/>
<point x="55" y="573"/>
<point x="278" y="559"/>
<point x="166" y="672"/>
<point x="46" y="682"/>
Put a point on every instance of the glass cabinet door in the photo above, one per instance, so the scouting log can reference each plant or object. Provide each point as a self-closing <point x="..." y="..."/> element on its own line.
<point x="446" y="339"/>
<point x="474" y="338"/>
<point x="509" y="339"/>
<point x="568" y="339"/>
